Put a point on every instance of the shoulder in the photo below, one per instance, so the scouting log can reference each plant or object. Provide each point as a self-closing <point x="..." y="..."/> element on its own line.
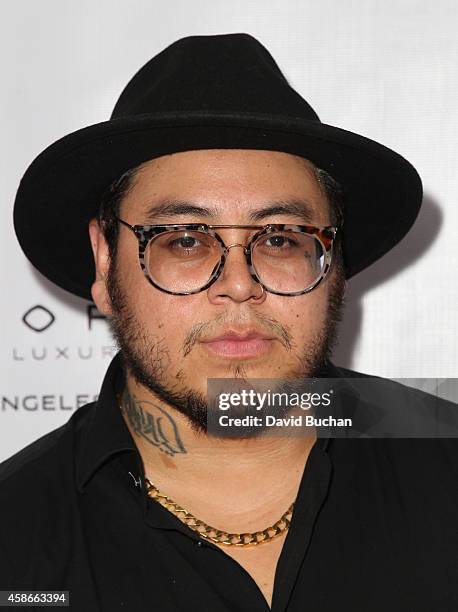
<point x="37" y="497"/>
<point x="45" y="458"/>
<point x="410" y="441"/>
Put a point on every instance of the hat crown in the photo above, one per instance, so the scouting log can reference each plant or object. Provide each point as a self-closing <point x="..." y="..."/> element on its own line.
<point x="225" y="73"/>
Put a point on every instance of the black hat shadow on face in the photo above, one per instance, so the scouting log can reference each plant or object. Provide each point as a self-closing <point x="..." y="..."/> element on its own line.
<point x="410" y="250"/>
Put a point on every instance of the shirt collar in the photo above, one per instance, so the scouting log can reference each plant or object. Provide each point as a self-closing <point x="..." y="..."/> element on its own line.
<point x="104" y="433"/>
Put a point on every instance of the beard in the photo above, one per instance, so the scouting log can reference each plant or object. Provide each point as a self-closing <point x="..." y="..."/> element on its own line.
<point x="147" y="358"/>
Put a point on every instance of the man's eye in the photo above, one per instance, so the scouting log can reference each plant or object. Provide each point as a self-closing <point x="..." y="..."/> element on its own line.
<point x="279" y="241"/>
<point x="184" y="242"/>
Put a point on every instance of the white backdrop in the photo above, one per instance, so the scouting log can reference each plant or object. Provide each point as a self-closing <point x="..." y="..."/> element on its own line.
<point x="387" y="70"/>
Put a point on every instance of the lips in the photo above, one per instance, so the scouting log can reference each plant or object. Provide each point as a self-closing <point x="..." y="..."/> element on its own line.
<point x="240" y="336"/>
<point x="239" y="344"/>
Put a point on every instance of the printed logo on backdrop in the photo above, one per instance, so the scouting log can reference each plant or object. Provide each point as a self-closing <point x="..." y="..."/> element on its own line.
<point x="39" y="319"/>
<point x="48" y="402"/>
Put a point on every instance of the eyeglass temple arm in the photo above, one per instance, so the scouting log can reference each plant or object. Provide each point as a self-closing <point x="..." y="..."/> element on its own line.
<point x="131" y="227"/>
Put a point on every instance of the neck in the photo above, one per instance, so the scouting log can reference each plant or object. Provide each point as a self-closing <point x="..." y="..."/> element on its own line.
<point x="259" y="477"/>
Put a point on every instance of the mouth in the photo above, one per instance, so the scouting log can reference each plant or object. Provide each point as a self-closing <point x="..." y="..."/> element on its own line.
<point x="233" y="344"/>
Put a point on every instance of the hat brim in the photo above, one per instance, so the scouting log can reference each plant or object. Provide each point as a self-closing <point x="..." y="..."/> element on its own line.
<point x="62" y="189"/>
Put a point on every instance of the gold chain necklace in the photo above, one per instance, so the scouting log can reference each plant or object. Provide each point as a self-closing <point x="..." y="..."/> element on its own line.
<point x="216" y="535"/>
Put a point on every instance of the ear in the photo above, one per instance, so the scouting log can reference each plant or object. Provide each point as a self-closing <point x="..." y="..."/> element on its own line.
<point x="102" y="262"/>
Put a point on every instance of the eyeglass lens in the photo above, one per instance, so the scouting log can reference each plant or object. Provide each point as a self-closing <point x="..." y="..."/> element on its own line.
<point x="184" y="260"/>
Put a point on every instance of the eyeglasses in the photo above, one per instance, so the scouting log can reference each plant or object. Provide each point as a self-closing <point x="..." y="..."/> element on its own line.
<point x="185" y="259"/>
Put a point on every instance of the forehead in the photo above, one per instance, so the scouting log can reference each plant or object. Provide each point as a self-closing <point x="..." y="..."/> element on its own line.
<point x="229" y="181"/>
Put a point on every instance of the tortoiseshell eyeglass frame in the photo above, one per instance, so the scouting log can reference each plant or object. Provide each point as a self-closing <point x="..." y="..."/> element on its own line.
<point x="145" y="233"/>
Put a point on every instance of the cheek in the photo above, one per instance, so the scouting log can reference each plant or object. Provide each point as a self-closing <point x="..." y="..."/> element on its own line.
<point x="305" y="316"/>
<point x="162" y="316"/>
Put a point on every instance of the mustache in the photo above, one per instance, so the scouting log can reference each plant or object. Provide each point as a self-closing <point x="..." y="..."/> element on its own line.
<point x="262" y="321"/>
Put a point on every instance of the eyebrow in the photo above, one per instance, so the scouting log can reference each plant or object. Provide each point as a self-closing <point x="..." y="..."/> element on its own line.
<point x="174" y="208"/>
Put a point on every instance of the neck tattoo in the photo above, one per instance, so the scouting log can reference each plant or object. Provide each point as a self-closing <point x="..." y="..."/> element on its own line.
<point x="152" y="423"/>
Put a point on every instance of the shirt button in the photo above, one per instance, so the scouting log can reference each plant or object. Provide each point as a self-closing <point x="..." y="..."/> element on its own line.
<point x="199" y="543"/>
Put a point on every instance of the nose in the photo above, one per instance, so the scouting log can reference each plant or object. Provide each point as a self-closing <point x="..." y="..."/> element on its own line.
<point x="235" y="281"/>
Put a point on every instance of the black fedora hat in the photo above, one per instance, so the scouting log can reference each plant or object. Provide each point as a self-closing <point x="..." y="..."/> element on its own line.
<point x="206" y="92"/>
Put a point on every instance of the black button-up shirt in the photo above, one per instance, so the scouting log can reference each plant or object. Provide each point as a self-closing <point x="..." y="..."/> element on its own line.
<point x="374" y="527"/>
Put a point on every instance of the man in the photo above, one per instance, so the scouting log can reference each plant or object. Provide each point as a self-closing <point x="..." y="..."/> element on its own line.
<point x="221" y="249"/>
